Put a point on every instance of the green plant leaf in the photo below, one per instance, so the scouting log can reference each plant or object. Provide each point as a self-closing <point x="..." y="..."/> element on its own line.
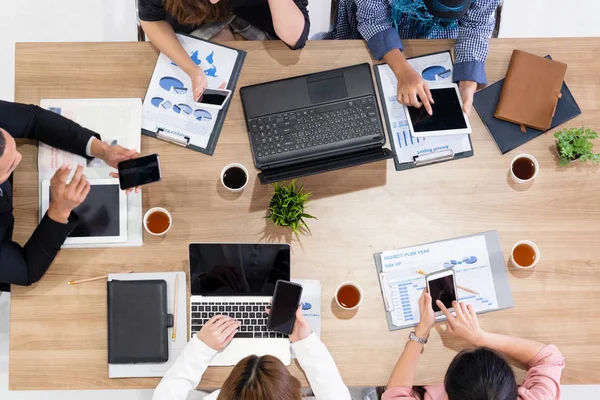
<point x="286" y="207"/>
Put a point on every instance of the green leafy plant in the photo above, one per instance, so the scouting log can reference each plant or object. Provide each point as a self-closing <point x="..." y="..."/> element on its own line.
<point x="287" y="207"/>
<point x="574" y="143"/>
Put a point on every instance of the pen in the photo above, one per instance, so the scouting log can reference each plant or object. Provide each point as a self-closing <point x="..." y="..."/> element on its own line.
<point x="97" y="278"/>
<point x="174" y="335"/>
<point x="466" y="289"/>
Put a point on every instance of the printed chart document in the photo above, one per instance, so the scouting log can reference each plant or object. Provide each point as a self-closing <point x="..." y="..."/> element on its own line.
<point x="435" y="69"/>
<point x="169" y="105"/>
<point x="311" y="304"/>
<point x="118" y="121"/>
<point x="470" y="260"/>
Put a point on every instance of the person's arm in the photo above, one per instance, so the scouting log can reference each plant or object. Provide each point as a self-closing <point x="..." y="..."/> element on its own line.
<point x="472" y="44"/>
<point x="320" y="369"/>
<point x="186" y="372"/>
<point x="374" y="23"/>
<point x="291" y="21"/>
<point x="403" y="376"/>
<point x="162" y="35"/>
<point x="32" y="122"/>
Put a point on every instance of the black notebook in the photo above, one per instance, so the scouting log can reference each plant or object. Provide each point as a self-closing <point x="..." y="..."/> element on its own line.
<point x="508" y="136"/>
<point x="138" y="322"/>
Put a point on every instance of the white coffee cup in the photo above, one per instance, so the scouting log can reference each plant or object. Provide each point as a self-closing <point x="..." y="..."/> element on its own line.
<point x="535" y="249"/>
<point x="232" y="165"/>
<point x="152" y="210"/>
<point x="349" y="283"/>
<point x="536" y="165"/>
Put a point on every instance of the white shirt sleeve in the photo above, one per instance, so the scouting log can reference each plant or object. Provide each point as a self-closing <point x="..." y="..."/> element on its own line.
<point x="320" y="369"/>
<point x="88" y="147"/>
<point x="186" y="372"/>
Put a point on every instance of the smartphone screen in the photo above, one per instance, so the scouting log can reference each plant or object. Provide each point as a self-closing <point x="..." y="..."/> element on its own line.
<point x="442" y="289"/>
<point x="283" y="310"/>
<point x="139" y="171"/>
<point x="214" y="97"/>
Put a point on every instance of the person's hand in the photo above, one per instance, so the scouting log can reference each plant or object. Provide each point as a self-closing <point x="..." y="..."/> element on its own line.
<point x="467" y="90"/>
<point x="427" y="315"/>
<point x="218" y="332"/>
<point x="112" y="156"/>
<point x="64" y="198"/>
<point x="301" y="328"/>
<point x="465" y="325"/>
<point x="199" y="82"/>
<point x="412" y="88"/>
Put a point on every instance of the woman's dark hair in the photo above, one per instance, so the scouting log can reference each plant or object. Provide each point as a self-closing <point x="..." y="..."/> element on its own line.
<point x="480" y="374"/>
<point x="260" y="378"/>
<point x="196" y="12"/>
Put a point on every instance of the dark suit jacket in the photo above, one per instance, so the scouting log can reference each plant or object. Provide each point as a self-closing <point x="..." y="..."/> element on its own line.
<point x="26" y="265"/>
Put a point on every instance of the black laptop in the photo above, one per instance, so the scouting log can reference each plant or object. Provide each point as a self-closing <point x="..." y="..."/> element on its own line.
<point x="314" y="123"/>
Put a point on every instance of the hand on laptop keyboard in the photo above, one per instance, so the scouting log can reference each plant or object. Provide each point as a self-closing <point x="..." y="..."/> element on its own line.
<point x="218" y="331"/>
<point x="251" y="315"/>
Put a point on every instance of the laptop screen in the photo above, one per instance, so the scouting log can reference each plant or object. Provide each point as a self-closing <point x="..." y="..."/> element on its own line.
<point x="237" y="269"/>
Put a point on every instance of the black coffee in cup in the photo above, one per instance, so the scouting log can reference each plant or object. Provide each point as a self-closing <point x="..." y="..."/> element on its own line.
<point x="235" y="178"/>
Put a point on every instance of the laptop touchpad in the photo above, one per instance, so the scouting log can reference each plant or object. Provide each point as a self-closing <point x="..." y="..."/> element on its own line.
<point x="326" y="87"/>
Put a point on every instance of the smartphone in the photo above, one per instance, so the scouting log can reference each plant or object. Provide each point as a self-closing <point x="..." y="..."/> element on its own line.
<point x="139" y="171"/>
<point x="442" y="286"/>
<point x="286" y="300"/>
<point x="213" y="98"/>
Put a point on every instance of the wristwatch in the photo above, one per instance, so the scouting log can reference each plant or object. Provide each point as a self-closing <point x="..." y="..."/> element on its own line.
<point x="417" y="339"/>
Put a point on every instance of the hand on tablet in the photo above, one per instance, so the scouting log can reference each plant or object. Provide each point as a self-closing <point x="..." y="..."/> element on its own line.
<point x="65" y="197"/>
<point x="412" y="88"/>
<point x="467" y="90"/>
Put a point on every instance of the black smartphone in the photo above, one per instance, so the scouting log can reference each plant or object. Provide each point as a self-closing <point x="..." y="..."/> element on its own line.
<point x="139" y="171"/>
<point x="286" y="300"/>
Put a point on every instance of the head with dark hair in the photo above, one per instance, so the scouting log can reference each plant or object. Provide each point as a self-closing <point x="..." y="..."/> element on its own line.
<point x="196" y="12"/>
<point x="9" y="156"/>
<point x="480" y="374"/>
<point x="260" y="378"/>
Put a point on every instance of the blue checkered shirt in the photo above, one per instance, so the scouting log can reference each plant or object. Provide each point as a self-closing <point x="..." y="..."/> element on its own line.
<point x="372" y="21"/>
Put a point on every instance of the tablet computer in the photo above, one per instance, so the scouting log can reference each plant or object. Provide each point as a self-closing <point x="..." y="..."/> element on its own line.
<point x="102" y="216"/>
<point x="448" y="117"/>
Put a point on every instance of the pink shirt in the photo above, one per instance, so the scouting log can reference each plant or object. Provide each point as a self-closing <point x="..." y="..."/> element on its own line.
<point x="541" y="383"/>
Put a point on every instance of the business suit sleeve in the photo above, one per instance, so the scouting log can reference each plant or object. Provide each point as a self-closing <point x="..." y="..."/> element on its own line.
<point x="26" y="265"/>
<point x="33" y="122"/>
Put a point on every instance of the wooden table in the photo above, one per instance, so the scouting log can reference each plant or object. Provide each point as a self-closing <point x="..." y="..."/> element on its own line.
<point x="58" y="332"/>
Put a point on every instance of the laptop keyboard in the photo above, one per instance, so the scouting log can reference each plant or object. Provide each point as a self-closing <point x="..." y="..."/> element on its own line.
<point x="315" y="126"/>
<point x="250" y="314"/>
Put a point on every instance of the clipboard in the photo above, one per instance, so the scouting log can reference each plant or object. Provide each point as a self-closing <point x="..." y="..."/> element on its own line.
<point x="184" y="141"/>
<point x="435" y="157"/>
<point x="497" y="266"/>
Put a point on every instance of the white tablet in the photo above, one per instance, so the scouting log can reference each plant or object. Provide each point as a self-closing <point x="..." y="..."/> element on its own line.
<point x="102" y="216"/>
<point x="448" y="117"/>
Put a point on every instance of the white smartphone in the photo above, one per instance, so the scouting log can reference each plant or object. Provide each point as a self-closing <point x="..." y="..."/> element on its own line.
<point x="213" y="98"/>
<point x="442" y="286"/>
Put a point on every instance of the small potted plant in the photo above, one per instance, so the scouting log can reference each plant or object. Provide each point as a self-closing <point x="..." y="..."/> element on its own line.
<point x="574" y="144"/>
<point x="287" y="207"/>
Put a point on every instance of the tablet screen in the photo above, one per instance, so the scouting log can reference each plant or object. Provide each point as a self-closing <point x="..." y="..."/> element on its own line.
<point x="447" y="113"/>
<point x="99" y="213"/>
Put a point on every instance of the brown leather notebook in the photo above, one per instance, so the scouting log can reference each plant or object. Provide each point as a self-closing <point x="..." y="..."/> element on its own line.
<point x="531" y="90"/>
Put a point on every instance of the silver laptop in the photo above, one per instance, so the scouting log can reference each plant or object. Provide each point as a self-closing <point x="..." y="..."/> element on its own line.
<point x="238" y="280"/>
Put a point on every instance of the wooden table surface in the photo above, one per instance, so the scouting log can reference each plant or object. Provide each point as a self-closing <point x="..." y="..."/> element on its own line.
<point x="58" y="334"/>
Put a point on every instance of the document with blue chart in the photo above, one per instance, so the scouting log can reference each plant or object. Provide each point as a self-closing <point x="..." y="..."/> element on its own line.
<point x="475" y="266"/>
<point x="170" y="112"/>
<point x="436" y="69"/>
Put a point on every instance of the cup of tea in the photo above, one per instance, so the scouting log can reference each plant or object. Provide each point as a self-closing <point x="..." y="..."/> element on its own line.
<point x="524" y="255"/>
<point x="157" y="221"/>
<point x="234" y="177"/>
<point x="524" y="168"/>
<point x="348" y="295"/>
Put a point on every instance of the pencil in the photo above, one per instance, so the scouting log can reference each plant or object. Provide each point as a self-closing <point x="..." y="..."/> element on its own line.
<point x="94" y="279"/>
<point x="174" y="335"/>
<point x="466" y="289"/>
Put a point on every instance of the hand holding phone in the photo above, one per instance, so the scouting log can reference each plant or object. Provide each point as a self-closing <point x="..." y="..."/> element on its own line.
<point x="286" y="300"/>
<point x="213" y="98"/>
<point x="139" y="171"/>
<point x="441" y="285"/>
